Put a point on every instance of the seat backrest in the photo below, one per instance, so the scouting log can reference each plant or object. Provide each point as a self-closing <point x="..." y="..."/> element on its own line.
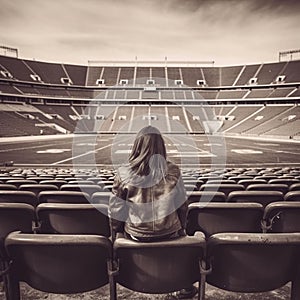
<point x="56" y="182"/>
<point x="87" y="188"/>
<point x="81" y="182"/>
<point x="268" y="187"/>
<point x="59" y="264"/>
<point x="226" y="188"/>
<point x="39" y="179"/>
<point x="5" y="186"/>
<point x="283" y="217"/>
<point x="18" y="197"/>
<point x="18" y="182"/>
<point x="286" y="181"/>
<point x="64" y="197"/>
<point x="15" y="216"/>
<point x="206" y="197"/>
<point x="262" y="197"/>
<point x="159" y="267"/>
<point x="73" y="218"/>
<point x="101" y="198"/>
<point x="37" y="188"/>
<point x="247" y="182"/>
<point x="295" y="187"/>
<point x="214" y="218"/>
<point x="243" y="262"/>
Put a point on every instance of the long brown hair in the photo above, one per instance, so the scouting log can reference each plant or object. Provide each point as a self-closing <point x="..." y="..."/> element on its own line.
<point x="148" y="155"/>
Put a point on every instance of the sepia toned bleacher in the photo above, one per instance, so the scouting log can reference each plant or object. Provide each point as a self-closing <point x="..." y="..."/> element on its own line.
<point x="232" y="228"/>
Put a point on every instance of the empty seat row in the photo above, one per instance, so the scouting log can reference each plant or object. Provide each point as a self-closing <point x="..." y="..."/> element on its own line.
<point x="39" y="187"/>
<point x="259" y="196"/>
<point x="237" y="262"/>
<point x="16" y="196"/>
<point x="212" y="218"/>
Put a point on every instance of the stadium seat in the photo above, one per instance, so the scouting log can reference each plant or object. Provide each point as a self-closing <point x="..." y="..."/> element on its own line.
<point x="64" y="197"/>
<point x="247" y="182"/>
<point x="253" y="262"/>
<point x="19" y="182"/>
<point x="13" y="216"/>
<point x="81" y="182"/>
<point x="226" y="188"/>
<point x="190" y="187"/>
<point x="159" y="267"/>
<point x="206" y="178"/>
<point x="288" y="182"/>
<point x="5" y="186"/>
<point x="38" y="178"/>
<point x="214" y="218"/>
<point x="5" y="178"/>
<point x="55" y="182"/>
<point x="60" y="264"/>
<point x="282" y="217"/>
<point x="262" y="197"/>
<point x="18" y="197"/>
<point x="292" y="196"/>
<point x="206" y="197"/>
<point x="220" y="181"/>
<point x="101" y="198"/>
<point x="73" y="218"/>
<point x="295" y="187"/>
<point x="194" y="182"/>
<point x="37" y="188"/>
<point x="86" y="188"/>
<point x="268" y="187"/>
<point x="240" y="177"/>
<point x="266" y="177"/>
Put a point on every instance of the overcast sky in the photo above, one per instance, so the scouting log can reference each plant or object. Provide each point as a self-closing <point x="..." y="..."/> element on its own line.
<point x="227" y="31"/>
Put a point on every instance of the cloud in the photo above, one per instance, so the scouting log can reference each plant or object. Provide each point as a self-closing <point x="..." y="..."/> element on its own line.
<point x="228" y="31"/>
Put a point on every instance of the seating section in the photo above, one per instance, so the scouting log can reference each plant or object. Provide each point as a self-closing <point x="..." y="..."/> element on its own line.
<point x="238" y="228"/>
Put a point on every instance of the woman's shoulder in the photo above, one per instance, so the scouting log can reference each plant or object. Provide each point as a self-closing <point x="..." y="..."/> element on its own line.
<point x="173" y="169"/>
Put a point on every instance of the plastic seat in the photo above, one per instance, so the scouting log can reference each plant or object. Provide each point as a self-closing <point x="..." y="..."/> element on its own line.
<point x="226" y="188"/>
<point x="292" y="196"/>
<point x="249" y="262"/>
<point x="224" y="217"/>
<point x="288" y="182"/>
<point x="262" y="197"/>
<point x="81" y="182"/>
<point x="61" y="264"/>
<point x="283" y="217"/>
<point x="86" y="188"/>
<point x="19" y="182"/>
<point x="55" y="182"/>
<point x="295" y="187"/>
<point x="266" y="177"/>
<point x="220" y="181"/>
<point x="37" y="188"/>
<point x="240" y="177"/>
<point x="159" y="267"/>
<point x="5" y="186"/>
<point x="13" y="216"/>
<point x="18" y="197"/>
<point x="247" y="182"/>
<point x="268" y="187"/>
<point x="101" y="198"/>
<point x="64" y="197"/>
<point x="73" y="218"/>
<point x="38" y="178"/>
<point x="206" y="197"/>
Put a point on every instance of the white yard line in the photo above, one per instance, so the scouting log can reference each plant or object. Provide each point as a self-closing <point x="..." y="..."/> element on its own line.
<point x="80" y="155"/>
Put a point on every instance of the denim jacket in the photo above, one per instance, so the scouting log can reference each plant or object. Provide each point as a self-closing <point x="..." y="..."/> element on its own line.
<point x="156" y="210"/>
